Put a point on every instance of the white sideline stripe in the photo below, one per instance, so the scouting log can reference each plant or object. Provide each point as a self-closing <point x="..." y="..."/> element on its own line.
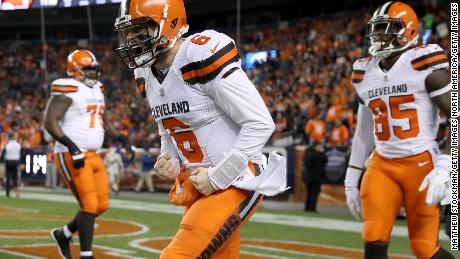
<point x="259" y="217"/>
<point x="291" y="252"/>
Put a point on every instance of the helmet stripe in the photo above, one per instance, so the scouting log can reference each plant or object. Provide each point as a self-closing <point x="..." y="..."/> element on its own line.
<point x="376" y="13"/>
<point x="92" y="56"/>
<point x="385" y="8"/>
<point x="124" y="7"/>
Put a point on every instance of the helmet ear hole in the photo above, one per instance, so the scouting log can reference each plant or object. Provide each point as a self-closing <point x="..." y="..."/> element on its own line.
<point x="173" y="23"/>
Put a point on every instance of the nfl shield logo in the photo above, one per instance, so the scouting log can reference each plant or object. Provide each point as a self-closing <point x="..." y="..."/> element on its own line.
<point x="162" y="92"/>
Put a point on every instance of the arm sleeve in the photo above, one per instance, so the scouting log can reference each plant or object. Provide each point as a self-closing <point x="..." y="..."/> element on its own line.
<point x="239" y="99"/>
<point x="363" y="140"/>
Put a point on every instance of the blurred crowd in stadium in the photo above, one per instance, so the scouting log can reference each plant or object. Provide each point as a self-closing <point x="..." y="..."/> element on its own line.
<point x="307" y="87"/>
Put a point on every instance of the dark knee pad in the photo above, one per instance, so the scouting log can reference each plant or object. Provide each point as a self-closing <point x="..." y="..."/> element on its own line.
<point x="442" y="254"/>
<point x="376" y="250"/>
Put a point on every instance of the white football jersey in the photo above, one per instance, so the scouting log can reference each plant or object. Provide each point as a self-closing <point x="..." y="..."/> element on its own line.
<point x="83" y="121"/>
<point x="406" y="120"/>
<point x="200" y="116"/>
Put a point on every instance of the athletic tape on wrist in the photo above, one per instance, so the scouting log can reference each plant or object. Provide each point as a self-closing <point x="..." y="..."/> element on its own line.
<point x="226" y="171"/>
<point x="78" y="156"/>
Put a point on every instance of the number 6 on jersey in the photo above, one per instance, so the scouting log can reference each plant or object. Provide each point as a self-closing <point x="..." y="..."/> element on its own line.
<point x="185" y="139"/>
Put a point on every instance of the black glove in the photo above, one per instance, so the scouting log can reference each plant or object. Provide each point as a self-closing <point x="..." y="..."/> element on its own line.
<point x="78" y="157"/>
<point x="127" y="146"/>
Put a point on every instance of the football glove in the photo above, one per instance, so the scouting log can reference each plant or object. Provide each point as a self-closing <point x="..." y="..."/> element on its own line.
<point x="78" y="157"/>
<point x="352" y="191"/>
<point x="438" y="182"/>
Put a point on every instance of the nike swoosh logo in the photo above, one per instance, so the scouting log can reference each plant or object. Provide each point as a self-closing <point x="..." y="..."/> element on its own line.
<point x="420" y="164"/>
<point x="215" y="47"/>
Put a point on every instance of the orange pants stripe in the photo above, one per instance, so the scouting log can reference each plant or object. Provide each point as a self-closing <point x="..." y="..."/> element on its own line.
<point x="89" y="184"/>
<point x="211" y="226"/>
<point x="389" y="183"/>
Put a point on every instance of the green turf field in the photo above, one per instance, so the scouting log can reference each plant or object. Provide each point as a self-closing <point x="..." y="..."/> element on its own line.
<point x="25" y="222"/>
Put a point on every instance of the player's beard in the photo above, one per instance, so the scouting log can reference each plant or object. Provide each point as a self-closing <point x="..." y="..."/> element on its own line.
<point x="145" y="60"/>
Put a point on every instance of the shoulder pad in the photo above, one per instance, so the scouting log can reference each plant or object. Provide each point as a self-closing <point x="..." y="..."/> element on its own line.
<point x="429" y="56"/>
<point x="359" y="69"/>
<point x="63" y="86"/>
<point x="206" y="55"/>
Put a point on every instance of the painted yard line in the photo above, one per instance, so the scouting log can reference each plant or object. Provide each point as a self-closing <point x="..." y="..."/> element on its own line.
<point x="4" y="232"/>
<point x="19" y="254"/>
<point x="245" y="252"/>
<point x="317" y="245"/>
<point x="15" y="210"/>
<point x="137" y="244"/>
<point x="291" y="252"/>
<point x="108" y="250"/>
<point x="259" y="217"/>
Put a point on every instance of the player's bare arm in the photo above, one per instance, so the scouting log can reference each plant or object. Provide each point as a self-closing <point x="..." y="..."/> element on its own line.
<point x="438" y="180"/>
<point x="57" y="107"/>
<point x="438" y="81"/>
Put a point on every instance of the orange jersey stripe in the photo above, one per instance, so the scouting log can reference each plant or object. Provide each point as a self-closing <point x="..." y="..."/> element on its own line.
<point x="357" y="76"/>
<point x="429" y="60"/>
<point x="212" y="67"/>
<point x="64" y="88"/>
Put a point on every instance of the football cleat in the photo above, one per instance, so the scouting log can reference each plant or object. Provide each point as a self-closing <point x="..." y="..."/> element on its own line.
<point x="57" y="234"/>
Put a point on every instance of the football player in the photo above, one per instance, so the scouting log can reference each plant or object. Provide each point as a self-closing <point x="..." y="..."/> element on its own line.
<point x="212" y="121"/>
<point x="401" y="89"/>
<point x="76" y="118"/>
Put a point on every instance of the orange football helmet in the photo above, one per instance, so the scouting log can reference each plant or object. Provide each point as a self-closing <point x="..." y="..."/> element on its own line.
<point x="148" y="28"/>
<point x="83" y="66"/>
<point x="392" y="28"/>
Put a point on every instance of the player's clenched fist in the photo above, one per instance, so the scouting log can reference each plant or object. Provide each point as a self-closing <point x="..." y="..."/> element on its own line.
<point x="166" y="167"/>
<point x="201" y="181"/>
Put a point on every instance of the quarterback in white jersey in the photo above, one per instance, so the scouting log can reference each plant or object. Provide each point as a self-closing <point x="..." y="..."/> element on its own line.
<point x="401" y="90"/>
<point x="76" y="118"/>
<point x="213" y="124"/>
